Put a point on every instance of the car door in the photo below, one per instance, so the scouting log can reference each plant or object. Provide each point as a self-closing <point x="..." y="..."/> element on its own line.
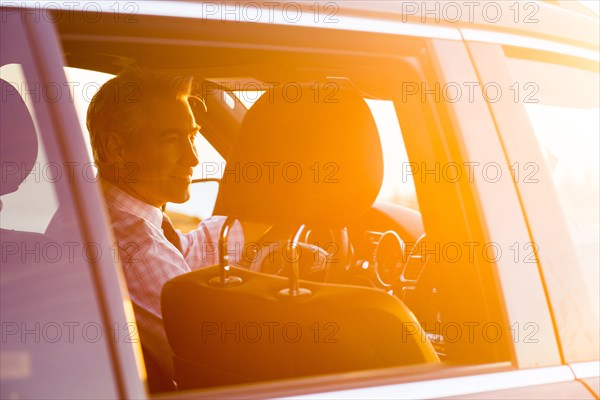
<point x="548" y="125"/>
<point x="468" y="138"/>
<point x="67" y="326"/>
<point x="525" y="359"/>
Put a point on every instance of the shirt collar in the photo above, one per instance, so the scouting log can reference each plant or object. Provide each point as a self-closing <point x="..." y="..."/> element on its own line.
<point x="125" y="202"/>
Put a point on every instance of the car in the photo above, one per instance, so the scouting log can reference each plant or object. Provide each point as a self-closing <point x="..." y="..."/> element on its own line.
<point x="417" y="183"/>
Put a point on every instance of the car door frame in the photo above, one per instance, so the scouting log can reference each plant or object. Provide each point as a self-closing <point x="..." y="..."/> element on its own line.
<point x="575" y="326"/>
<point x="458" y="120"/>
<point x="63" y="131"/>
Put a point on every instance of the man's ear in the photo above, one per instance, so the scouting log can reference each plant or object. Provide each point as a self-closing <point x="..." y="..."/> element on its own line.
<point x="113" y="148"/>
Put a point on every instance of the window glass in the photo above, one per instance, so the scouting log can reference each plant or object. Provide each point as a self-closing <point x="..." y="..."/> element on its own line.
<point x="565" y="117"/>
<point x="48" y="297"/>
<point x="248" y="97"/>
<point x="83" y="85"/>
<point x="398" y="185"/>
<point x="22" y="209"/>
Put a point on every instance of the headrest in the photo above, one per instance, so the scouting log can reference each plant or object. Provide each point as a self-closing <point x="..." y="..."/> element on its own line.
<point x="18" y="139"/>
<point x="307" y="155"/>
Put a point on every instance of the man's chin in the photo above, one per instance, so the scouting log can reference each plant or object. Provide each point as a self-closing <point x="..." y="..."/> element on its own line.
<point x="179" y="198"/>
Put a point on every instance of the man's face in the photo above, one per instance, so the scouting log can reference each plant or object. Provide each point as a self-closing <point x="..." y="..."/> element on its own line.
<point x="159" y="161"/>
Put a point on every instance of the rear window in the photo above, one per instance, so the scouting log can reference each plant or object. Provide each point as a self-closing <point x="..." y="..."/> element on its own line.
<point x="565" y="117"/>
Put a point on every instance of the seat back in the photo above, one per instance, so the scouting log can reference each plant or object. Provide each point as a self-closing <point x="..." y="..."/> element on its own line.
<point x="19" y="140"/>
<point x="304" y="160"/>
<point x="248" y="332"/>
<point x="18" y="154"/>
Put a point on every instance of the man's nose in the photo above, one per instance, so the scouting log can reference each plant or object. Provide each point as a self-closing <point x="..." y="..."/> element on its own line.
<point x="191" y="155"/>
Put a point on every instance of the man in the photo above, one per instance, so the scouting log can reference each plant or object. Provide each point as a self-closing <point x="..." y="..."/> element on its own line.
<point x="142" y="133"/>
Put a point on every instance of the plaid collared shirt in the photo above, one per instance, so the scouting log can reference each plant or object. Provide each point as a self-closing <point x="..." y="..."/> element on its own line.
<point x="149" y="260"/>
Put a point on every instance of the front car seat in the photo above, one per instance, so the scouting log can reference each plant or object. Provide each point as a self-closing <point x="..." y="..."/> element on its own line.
<point x="227" y="331"/>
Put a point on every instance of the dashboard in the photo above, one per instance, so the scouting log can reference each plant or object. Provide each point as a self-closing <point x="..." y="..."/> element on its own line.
<point x="387" y="242"/>
<point x="390" y="254"/>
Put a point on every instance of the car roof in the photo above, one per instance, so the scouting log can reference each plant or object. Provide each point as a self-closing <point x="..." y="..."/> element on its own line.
<point x="546" y="19"/>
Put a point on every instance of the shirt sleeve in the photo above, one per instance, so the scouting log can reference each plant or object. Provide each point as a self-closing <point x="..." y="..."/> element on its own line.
<point x="201" y="246"/>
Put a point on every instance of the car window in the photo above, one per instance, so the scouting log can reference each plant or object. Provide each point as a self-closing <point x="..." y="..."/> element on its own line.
<point x="83" y="85"/>
<point x="398" y="183"/>
<point x="565" y="119"/>
<point x="22" y="209"/>
<point x="457" y="297"/>
<point x="48" y="299"/>
<point x="383" y="309"/>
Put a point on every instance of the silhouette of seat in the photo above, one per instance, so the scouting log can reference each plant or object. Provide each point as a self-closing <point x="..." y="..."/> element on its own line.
<point x="18" y="152"/>
<point x="252" y="330"/>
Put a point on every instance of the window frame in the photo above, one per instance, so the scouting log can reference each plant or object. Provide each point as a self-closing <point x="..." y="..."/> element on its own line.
<point x="63" y="141"/>
<point x="478" y="220"/>
<point x="570" y="307"/>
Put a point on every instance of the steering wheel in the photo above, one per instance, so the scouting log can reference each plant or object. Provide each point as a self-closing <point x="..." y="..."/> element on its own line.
<point x="322" y="254"/>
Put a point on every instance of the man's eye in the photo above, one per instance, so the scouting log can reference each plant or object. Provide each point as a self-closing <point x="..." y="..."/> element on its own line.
<point x="171" y="139"/>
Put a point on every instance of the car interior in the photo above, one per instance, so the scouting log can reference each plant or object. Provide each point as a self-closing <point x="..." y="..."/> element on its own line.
<point x="341" y="260"/>
<point x="305" y="132"/>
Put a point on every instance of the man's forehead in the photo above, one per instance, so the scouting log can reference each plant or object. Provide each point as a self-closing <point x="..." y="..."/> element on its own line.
<point x="173" y="115"/>
<point x="180" y="130"/>
<point x="168" y="105"/>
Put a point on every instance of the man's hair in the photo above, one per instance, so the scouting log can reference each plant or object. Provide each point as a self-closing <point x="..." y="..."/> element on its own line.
<point x="122" y="104"/>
